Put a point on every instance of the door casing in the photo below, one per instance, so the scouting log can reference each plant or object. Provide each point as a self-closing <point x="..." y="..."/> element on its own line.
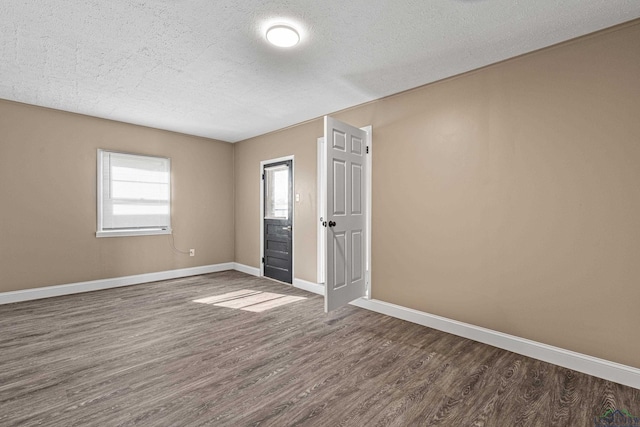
<point x="293" y="208"/>
<point x="322" y="203"/>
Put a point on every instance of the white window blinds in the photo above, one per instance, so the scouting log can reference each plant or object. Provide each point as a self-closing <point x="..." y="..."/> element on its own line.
<point x="134" y="193"/>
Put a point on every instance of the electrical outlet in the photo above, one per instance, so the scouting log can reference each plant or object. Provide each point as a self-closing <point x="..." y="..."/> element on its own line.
<point x="192" y="252"/>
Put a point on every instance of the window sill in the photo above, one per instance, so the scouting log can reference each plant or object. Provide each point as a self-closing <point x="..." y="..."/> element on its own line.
<point x="133" y="232"/>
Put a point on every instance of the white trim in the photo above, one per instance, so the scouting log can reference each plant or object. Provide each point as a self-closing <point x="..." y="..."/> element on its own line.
<point x="133" y="232"/>
<point x="321" y="195"/>
<point x="293" y="210"/>
<point x="308" y="286"/>
<point x="368" y="191"/>
<point x="96" y="285"/>
<point x="99" y="184"/>
<point x="611" y="371"/>
<point x="254" y="271"/>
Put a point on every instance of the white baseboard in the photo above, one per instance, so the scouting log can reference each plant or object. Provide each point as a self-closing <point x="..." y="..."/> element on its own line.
<point x="96" y="285"/>
<point x="308" y="286"/>
<point x="590" y="365"/>
<point x="246" y="269"/>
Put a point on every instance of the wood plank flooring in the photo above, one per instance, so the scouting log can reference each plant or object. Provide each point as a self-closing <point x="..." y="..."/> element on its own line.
<point x="147" y="355"/>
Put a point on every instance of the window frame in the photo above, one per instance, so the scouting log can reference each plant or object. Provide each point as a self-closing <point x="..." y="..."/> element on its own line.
<point x="121" y="232"/>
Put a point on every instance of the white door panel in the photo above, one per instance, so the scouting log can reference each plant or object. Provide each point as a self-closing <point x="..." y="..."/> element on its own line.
<point x="346" y="222"/>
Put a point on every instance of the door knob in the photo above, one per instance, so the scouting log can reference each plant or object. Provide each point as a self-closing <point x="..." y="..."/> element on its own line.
<point x="286" y="228"/>
<point x="332" y="223"/>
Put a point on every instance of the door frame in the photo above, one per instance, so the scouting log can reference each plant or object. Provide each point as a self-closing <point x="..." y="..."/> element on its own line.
<point x="322" y="203"/>
<point x="264" y="163"/>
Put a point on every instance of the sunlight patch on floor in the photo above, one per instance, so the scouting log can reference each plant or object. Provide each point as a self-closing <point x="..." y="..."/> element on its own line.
<point x="248" y="300"/>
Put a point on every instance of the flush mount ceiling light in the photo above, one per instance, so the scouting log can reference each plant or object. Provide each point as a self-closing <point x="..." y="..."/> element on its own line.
<point x="283" y="36"/>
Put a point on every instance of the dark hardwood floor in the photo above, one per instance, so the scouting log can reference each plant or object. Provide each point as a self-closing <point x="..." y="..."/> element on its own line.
<point x="148" y="355"/>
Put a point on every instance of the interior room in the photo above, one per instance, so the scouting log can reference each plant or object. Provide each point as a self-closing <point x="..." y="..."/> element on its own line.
<point x="281" y="213"/>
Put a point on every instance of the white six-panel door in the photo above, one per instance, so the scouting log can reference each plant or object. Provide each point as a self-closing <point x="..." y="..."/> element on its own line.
<point x="346" y="245"/>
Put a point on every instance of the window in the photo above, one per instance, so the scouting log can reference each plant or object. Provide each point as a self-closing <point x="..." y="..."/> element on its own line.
<point x="134" y="194"/>
<point x="277" y="192"/>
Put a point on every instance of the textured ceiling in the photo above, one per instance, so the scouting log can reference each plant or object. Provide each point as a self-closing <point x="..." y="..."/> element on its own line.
<point x="202" y="67"/>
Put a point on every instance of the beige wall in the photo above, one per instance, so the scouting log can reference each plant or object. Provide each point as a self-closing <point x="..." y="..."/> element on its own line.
<point x="299" y="142"/>
<point x="48" y="199"/>
<point x="507" y="198"/>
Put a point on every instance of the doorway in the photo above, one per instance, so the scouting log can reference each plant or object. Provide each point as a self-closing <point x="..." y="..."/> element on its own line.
<point x="277" y="219"/>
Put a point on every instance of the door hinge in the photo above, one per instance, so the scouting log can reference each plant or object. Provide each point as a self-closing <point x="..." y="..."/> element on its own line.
<point x="263" y="260"/>
<point x="367" y="149"/>
<point x="263" y="173"/>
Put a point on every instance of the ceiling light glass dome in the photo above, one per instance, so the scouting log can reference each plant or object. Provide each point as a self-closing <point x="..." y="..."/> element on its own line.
<point x="283" y="36"/>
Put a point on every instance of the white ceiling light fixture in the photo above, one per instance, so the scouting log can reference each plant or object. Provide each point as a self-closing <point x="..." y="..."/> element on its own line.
<point x="283" y="36"/>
